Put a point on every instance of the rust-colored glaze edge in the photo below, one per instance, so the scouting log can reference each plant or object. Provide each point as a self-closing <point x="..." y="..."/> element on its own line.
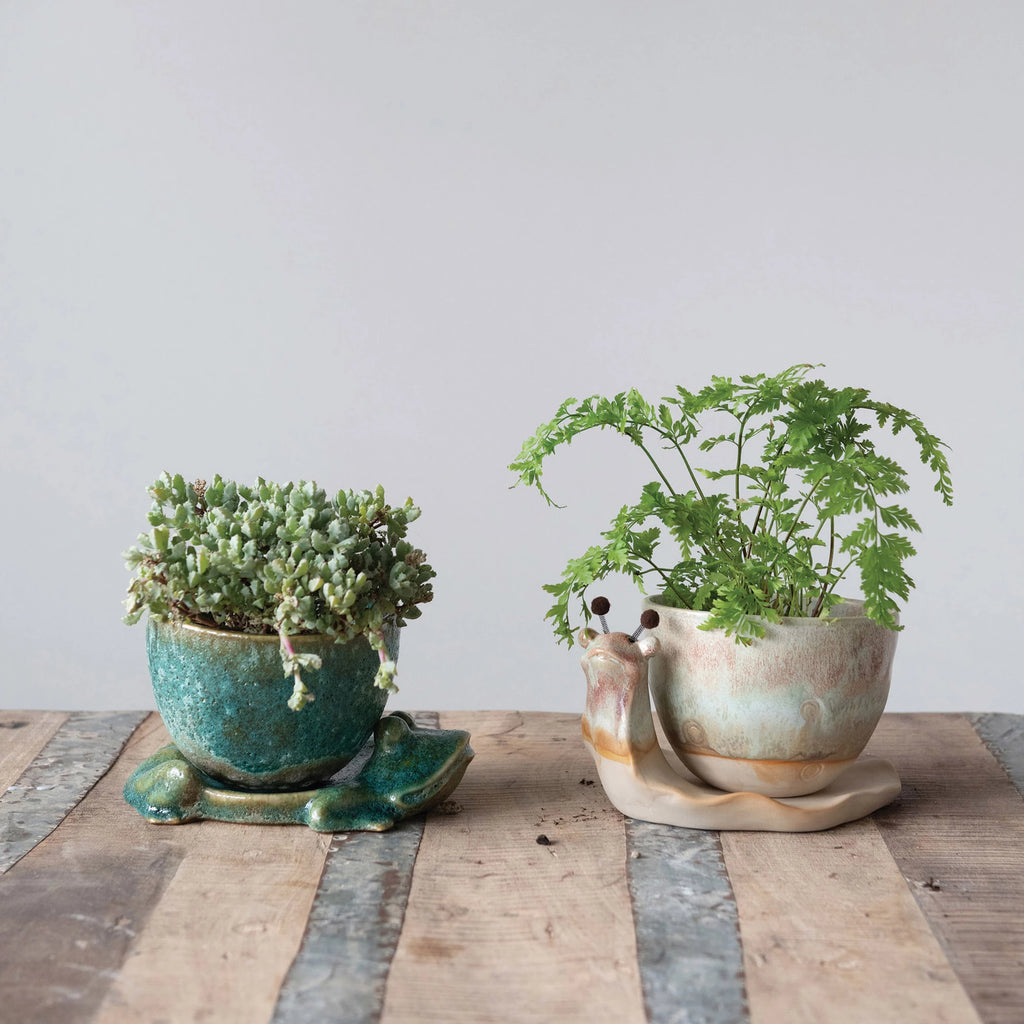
<point x="768" y="763"/>
<point x="605" y="744"/>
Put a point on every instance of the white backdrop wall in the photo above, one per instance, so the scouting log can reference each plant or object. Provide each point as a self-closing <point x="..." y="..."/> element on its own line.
<point x="379" y="242"/>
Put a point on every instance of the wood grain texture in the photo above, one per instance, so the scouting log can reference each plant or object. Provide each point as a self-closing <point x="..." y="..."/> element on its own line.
<point x="686" y="921"/>
<point x="687" y="926"/>
<point x="501" y="928"/>
<point x="70" y="914"/>
<point x="226" y="922"/>
<point x="72" y="908"/>
<point x="22" y="735"/>
<point x="79" y="752"/>
<point x="913" y="915"/>
<point x="341" y="969"/>
<point x="342" y="966"/>
<point x="831" y="932"/>
<point x="957" y="834"/>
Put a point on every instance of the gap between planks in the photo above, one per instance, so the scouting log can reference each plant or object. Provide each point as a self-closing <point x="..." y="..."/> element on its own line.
<point x="501" y="928"/>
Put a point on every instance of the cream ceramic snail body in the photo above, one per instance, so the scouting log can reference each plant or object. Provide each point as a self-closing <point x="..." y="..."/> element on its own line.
<point x="618" y="728"/>
<point x="616" y="725"/>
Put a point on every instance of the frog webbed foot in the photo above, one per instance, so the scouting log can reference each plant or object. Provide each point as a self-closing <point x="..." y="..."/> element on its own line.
<point x="166" y="789"/>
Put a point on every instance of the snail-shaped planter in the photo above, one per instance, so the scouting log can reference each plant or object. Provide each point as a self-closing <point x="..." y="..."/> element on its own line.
<point x="771" y="733"/>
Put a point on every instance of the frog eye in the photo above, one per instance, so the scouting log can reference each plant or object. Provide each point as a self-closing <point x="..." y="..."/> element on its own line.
<point x="390" y="730"/>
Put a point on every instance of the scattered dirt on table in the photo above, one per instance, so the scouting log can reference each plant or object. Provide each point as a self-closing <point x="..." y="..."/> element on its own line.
<point x="448" y="807"/>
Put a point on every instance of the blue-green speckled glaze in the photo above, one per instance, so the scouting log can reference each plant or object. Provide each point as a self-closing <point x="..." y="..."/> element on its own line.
<point x="224" y="699"/>
<point x="409" y="771"/>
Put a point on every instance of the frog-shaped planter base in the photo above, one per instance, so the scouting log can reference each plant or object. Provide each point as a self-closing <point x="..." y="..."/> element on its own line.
<point x="409" y="771"/>
<point x="638" y="779"/>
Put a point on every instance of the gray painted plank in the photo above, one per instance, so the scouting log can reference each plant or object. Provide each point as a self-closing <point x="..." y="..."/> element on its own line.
<point x="1003" y="734"/>
<point x="71" y="763"/>
<point x="341" y="970"/>
<point x="70" y="914"/>
<point x="687" y="926"/>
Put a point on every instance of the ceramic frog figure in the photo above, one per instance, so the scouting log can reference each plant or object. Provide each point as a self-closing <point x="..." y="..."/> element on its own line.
<point x="410" y="770"/>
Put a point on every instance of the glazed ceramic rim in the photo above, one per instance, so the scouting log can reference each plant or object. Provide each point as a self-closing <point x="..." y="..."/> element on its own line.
<point x="854" y="613"/>
<point x="237" y="634"/>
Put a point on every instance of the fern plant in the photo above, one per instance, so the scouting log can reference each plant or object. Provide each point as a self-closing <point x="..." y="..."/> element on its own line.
<point x="285" y="559"/>
<point x="801" y="497"/>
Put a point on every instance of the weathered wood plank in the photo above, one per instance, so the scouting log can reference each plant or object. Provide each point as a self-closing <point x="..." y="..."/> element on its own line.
<point x="113" y="919"/>
<point x="341" y="969"/>
<point x="78" y="754"/>
<point x="72" y="907"/>
<point x="1004" y="736"/>
<point x="831" y="932"/>
<point x="687" y="928"/>
<point x="957" y="834"/>
<point x="500" y="927"/>
<point x="227" y="922"/>
<point x="120" y="920"/>
<point x="68" y="920"/>
<point x="686" y="921"/>
<point x="22" y="735"/>
<point x="342" y="966"/>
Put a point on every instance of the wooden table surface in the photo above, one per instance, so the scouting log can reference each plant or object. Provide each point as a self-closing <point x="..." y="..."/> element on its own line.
<point x="915" y="914"/>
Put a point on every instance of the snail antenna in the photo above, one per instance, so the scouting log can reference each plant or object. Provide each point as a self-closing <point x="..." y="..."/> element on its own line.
<point x="600" y="607"/>
<point x="648" y="620"/>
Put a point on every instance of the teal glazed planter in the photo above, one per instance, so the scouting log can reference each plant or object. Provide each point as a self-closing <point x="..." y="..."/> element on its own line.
<point x="223" y="697"/>
<point x="784" y="716"/>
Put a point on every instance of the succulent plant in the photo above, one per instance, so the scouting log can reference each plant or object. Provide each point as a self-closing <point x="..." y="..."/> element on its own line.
<point x="285" y="559"/>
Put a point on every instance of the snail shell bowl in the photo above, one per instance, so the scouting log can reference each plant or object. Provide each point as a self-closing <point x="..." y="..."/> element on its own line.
<point x="784" y="716"/>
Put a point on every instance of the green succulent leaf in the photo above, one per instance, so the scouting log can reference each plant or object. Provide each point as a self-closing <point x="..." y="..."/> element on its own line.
<point x="283" y="559"/>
